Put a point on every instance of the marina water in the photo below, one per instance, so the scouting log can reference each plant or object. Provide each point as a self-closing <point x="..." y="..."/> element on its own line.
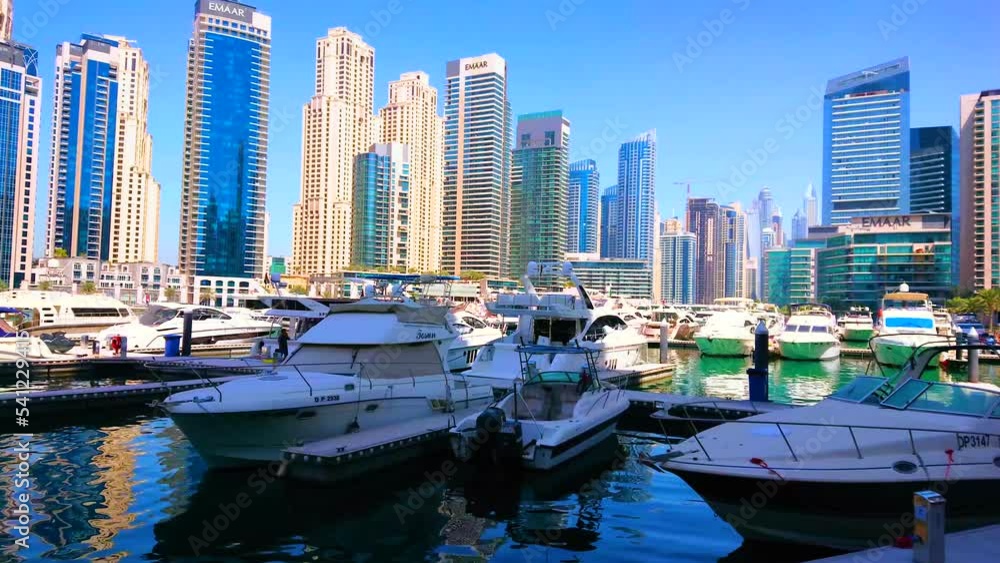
<point x="128" y="487"/>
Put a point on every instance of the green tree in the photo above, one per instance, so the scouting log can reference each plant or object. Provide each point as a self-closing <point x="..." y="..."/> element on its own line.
<point x="170" y="294"/>
<point x="205" y="296"/>
<point x="473" y="275"/>
<point x="45" y="286"/>
<point x="88" y="288"/>
<point x="60" y="253"/>
<point x="990" y="300"/>
<point x="298" y="290"/>
<point x="4" y="286"/>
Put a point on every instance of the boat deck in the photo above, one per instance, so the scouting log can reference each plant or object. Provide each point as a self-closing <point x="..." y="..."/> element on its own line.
<point x="981" y="545"/>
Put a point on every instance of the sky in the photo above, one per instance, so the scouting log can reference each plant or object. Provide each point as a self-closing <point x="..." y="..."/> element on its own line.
<point x="719" y="80"/>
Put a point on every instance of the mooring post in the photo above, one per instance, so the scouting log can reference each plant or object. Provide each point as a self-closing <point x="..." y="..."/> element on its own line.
<point x="928" y="527"/>
<point x="186" y="335"/>
<point x="664" y="341"/>
<point x="124" y="351"/>
<point x="973" y="356"/>
<point x="758" y="373"/>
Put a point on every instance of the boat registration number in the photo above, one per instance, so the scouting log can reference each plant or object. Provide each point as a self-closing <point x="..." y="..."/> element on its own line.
<point x="326" y="398"/>
<point x="973" y="441"/>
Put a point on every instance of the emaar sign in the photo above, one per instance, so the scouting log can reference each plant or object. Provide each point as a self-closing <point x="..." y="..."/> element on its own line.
<point x="230" y="10"/>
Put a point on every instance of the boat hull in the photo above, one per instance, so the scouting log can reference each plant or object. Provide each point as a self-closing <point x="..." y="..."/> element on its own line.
<point x="898" y="353"/>
<point x="724" y="347"/>
<point x="545" y="458"/>
<point x="809" y="351"/>
<point x="859" y="334"/>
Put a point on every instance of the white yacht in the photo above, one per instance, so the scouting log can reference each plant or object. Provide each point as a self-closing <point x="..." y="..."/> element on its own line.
<point x="551" y="418"/>
<point x="58" y="311"/>
<point x="856" y="325"/>
<point x="906" y="323"/>
<point x="810" y="334"/>
<point x="556" y="319"/>
<point x="473" y="334"/>
<point x="943" y="323"/>
<point x="370" y="364"/>
<point x="16" y="344"/>
<point x="834" y="473"/>
<point x="727" y="333"/>
<point x="210" y="326"/>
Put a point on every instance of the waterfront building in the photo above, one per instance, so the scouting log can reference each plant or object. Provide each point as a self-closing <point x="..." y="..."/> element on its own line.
<point x="800" y="225"/>
<point x="636" y="203"/>
<point x="337" y="127"/>
<point x="583" y="225"/>
<point x="866" y="143"/>
<point x="732" y="247"/>
<point x="790" y="274"/>
<point x="609" y="221"/>
<point x="810" y="206"/>
<point x="873" y="255"/>
<point x="539" y="190"/>
<point x="20" y="109"/>
<point x="934" y="178"/>
<point x="616" y="277"/>
<point x="704" y="220"/>
<point x="224" y="180"/>
<point x="131" y="283"/>
<point x="979" y="123"/>
<point x="477" y="167"/>
<point x="678" y="251"/>
<point x="381" y="208"/>
<point x="103" y="200"/>
<point x="411" y="118"/>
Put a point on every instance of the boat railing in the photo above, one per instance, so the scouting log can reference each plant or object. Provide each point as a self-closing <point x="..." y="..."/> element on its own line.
<point x="961" y="437"/>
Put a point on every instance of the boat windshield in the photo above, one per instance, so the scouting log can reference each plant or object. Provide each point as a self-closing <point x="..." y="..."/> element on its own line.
<point x="156" y="315"/>
<point x="909" y="322"/>
<point x="864" y="389"/>
<point x="920" y="395"/>
<point x="554" y="377"/>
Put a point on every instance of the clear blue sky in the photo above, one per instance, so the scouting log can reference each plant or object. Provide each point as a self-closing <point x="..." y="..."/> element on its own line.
<point x="602" y="62"/>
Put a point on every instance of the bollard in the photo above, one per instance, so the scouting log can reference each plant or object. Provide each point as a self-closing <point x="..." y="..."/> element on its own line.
<point x="186" y="334"/>
<point x="928" y="527"/>
<point x="961" y="341"/>
<point x="758" y="373"/>
<point x="664" y="342"/>
<point x="973" y="356"/>
<point x="123" y="353"/>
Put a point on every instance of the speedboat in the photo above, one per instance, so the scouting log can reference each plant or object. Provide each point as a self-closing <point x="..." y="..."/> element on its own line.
<point x="857" y="325"/>
<point x="556" y="320"/>
<point x="810" y="334"/>
<point x="374" y="363"/>
<point x="727" y="333"/>
<point x="209" y="326"/>
<point x="843" y="473"/>
<point x="473" y="333"/>
<point x="906" y="323"/>
<point x="552" y="417"/>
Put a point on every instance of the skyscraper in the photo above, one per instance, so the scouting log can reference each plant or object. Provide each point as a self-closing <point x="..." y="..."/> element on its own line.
<point x="704" y="220"/>
<point x="539" y="190"/>
<point x="583" y="226"/>
<point x="20" y="108"/>
<point x="381" y="207"/>
<point x="609" y="222"/>
<point x="477" y="167"/>
<point x="411" y="117"/>
<point x="732" y="245"/>
<point x="103" y="200"/>
<point x="637" y="197"/>
<point x="934" y="179"/>
<point x="765" y="206"/>
<point x="800" y="227"/>
<point x="866" y="143"/>
<point x="678" y="251"/>
<point x="6" y="20"/>
<point x="224" y="181"/>
<point x="810" y="206"/>
<point x="336" y="128"/>
<point x="777" y="224"/>
<point x="979" y="121"/>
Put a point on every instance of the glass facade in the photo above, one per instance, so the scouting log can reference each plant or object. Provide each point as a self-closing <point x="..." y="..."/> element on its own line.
<point x="704" y="220"/>
<point x="584" y="203"/>
<point x="790" y="274"/>
<point x="630" y="279"/>
<point x="609" y="221"/>
<point x="980" y="190"/>
<point x="733" y="243"/>
<point x="677" y="259"/>
<point x="636" y="199"/>
<point x="225" y="159"/>
<point x="866" y="143"/>
<point x="381" y="208"/>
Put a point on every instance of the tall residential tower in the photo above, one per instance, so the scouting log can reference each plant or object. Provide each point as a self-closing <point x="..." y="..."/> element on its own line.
<point x="636" y="198"/>
<point x="583" y="225"/>
<point x="979" y="122"/>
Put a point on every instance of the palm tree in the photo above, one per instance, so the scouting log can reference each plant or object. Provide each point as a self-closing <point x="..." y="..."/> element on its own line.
<point x="205" y="296"/>
<point x="4" y="286"/>
<point x="990" y="299"/>
<point x="88" y="288"/>
<point x="45" y="286"/>
<point x="472" y="275"/>
<point x="170" y="294"/>
<point x="60" y="253"/>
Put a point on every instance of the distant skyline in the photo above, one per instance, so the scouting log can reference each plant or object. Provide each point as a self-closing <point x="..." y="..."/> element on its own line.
<point x="720" y="80"/>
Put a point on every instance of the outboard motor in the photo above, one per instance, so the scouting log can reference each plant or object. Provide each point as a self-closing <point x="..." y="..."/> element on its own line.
<point x="498" y="439"/>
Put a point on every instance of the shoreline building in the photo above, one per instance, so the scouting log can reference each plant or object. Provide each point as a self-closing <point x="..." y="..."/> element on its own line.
<point x="866" y="143"/>
<point x="337" y="126"/>
<point x="224" y="180"/>
<point x="21" y="106"/>
<point x="616" y="277"/>
<point x="677" y="259"/>
<point x="609" y="221"/>
<point x="103" y="200"/>
<point x="732" y="241"/>
<point x="704" y="219"/>
<point x="539" y="190"/>
<point x="477" y="167"/>
<point x="980" y="190"/>
<point x="583" y="224"/>
<point x="381" y="208"/>
<point x="934" y="178"/>
<point x="636" y="199"/>
<point x="411" y="118"/>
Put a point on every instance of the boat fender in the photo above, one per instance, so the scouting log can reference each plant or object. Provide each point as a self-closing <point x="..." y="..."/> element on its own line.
<point x="116" y="344"/>
<point x="763" y="464"/>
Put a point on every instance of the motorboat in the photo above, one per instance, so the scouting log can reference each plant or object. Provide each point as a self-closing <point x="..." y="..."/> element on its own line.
<point x="906" y="323"/>
<point x="679" y="323"/>
<point x="209" y="326"/>
<point x="857" y="325"/>
<point x="473" y="334"/>
<point x="943" y="323"/>
<point x="16" y="344"/>
<point x="842" y="472"/>
<point x="550" y="418"/>
<point x="810" y="334"/>
<point x="368" y="365"/>
<point x="773" y="318"/>
<point x="556" y="320"/>
<point x="67" y="313"/>
<point x="727" y="333"/>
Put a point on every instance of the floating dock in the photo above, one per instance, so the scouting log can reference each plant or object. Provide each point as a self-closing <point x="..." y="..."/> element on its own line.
<point x="981" y="545"/>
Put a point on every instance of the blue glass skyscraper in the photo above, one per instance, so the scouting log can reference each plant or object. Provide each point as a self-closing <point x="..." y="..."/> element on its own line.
<point x="934" y="178"/>
<point x="609" y="222"/>
<point x="866" y="143"/>
<point x="584" y="194"/>
<point x="636" y="198"/>
<point x="225" y="149"/>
